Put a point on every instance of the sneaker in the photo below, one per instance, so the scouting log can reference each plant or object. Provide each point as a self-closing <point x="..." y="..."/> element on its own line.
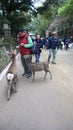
<point x="29" y="75"/>
<point x="53" y="62"/>
<point x="24" y="74"/>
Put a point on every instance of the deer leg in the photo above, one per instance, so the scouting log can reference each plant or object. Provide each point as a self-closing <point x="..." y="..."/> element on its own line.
<point x="50" y="73"/>
<point x="9" y="90"/>
<point x="16" y="77"/>
<point x="33" y="75"/>
<point x="15" y="80"/>
<point x="14" y="85"/>
<point x="45" y="75"/>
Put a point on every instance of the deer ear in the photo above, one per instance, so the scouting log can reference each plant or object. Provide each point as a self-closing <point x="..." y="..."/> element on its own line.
<point x="15" y="52"/>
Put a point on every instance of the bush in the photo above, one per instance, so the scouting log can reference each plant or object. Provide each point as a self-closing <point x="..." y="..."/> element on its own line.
<point x="6" y="44"/>
<point x="9" y="42"/>
<point x="4" y="58"/>
<point x="1" y="42"/>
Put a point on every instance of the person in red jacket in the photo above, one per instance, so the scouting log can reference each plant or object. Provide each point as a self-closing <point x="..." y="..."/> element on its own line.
<point x="25" y="43"/>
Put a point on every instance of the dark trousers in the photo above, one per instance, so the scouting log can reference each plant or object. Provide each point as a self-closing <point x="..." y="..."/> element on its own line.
<point x="23" y="61"/>
<point x="66" y="46"/>
<point x="37" y="57"/>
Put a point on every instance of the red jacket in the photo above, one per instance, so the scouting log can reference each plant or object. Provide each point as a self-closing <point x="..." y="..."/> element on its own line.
<point x="23" y="51"/>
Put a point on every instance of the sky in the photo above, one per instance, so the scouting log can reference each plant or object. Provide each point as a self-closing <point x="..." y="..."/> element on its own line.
<point x="39" y="3"/>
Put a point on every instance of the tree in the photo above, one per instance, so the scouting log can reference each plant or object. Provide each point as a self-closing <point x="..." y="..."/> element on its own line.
<point x="19" y="20"/>
<point x="38" y="25"/>
<point x="16" y="12"/>
<point x="8" y="6"/>
<point x="45" y="16"/>
<point x="66" y="12"/>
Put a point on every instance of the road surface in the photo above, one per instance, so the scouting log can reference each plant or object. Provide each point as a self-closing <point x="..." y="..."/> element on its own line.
<point x="44" y="104"/>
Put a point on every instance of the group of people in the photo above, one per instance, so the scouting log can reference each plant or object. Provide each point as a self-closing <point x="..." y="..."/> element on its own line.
<point x="64" y="42"/>
<point x="26" y="42"/>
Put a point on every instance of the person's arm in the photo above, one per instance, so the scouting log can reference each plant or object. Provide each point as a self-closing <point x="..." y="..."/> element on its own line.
<point x="30" y="43"/>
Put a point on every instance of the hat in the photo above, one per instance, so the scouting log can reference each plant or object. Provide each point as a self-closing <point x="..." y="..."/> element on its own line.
<point x="21" y="30"/>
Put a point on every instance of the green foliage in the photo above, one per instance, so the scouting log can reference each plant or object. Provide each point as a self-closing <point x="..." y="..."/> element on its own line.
<point x="1" y="27"/>
<point x="16" y="12"/>
<point x="66" y="9"/>
<point x="1" y="42"/>
<point x="19" y="19"/>
<point x="4" y="58"/>
<point x="40" y="25"/>
<point x="8" y="6"/>
<point x="9" y="42"/>
<point x="48" y="11"/>
<point x="45" y="16"/>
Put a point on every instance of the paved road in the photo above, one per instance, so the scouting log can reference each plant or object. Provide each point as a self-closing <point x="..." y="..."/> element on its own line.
<point x="44" y="104"/>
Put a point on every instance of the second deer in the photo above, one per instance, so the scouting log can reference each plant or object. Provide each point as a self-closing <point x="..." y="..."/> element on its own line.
<point x="41" y="66"/>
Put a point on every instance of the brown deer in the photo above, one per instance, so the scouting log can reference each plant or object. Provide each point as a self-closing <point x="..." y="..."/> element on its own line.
<point x="11" y="75"/>
<point x="41" y="66"/>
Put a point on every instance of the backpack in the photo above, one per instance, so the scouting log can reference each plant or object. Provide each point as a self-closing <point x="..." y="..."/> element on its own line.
<point x="47" y="44"/>
<point x="33" y="50"/>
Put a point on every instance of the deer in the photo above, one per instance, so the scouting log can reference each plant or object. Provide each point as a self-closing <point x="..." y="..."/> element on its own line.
<point x="36" y="67"/>
<point x="11" y="75"/>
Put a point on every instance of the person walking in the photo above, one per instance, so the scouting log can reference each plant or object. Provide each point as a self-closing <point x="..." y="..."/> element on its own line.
<point x="66" y="42"/>
<point x="53" y="46"/>
<point x="38" y="48"/>
<point x="25" y="43"/>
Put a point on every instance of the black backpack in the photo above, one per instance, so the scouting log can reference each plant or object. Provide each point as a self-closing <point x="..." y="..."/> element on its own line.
<point x="47" y="44"/>
<point x="32" y="50"/>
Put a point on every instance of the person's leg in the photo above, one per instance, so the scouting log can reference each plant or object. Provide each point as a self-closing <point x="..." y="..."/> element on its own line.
<point x="66" y="46"/>
<point x="29" y="72"/>
<point x="23" y="63"/>
<point x="26" y="69"/>
<point x="54" y="55"/>
<point x="50" y="54"/>
<point x="37" y="56"/>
